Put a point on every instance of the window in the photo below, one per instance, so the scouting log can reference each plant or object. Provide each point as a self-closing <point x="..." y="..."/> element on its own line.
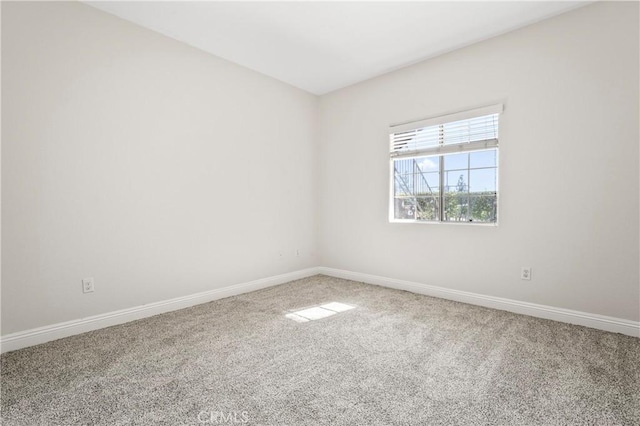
<point x="445" y="169"/>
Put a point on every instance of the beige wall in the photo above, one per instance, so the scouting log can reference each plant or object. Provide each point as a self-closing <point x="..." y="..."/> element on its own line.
<point x="157" y="169"/>
<point x="568" y="166"/>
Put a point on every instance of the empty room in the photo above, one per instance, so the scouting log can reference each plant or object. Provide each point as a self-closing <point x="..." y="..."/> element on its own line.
<point x="320" y="213"/>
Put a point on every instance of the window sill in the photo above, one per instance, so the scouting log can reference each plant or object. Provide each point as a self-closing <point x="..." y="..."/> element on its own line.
<point x="425" y="222"/>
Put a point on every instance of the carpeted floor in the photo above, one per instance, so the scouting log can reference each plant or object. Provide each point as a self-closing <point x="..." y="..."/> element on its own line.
<point x="397" y="358"/>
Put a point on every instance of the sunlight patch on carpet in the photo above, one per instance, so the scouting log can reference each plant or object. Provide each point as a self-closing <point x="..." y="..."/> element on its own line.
<point x="319" y="312"/>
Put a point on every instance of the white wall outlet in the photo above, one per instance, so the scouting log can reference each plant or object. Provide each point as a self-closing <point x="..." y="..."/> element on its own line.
<point x="525" y="273"/>
<point x="87" y="285"/>
<point x="297" y="252"/>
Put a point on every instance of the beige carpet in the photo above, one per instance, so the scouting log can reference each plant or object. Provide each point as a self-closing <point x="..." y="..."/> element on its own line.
<point x="396" y="358"/>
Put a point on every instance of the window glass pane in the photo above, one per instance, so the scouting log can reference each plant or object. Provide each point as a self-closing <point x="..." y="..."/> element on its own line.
<point x="427" y="208"/>
<point x="427" y="183"/>
<point x="428" y="164"/>
<point x="427" y="175"/>
<point x="405" y="208"/>
<point x="483" y="208"/>
<point x="456" y="161"/>
<point x="482" y="180"/>
<point x="469" y="193"/>
<point x="401" y="189"/>
<point x="419" y="176"/>
<point x="403" y="177"/>
<point x="404" y="185"/>
<point x="456" y="181"/>
<point x="456" y="206"/>
<point x="483" y="158"/>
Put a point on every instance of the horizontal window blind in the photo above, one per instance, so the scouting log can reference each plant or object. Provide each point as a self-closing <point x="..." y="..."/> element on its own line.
<point x="467" y="131"/>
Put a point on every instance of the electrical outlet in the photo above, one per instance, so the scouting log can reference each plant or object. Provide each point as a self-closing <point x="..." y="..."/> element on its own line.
<point x="87" y="285"/>
<point x="525" y="273"/>
<point x="297" y="252"/>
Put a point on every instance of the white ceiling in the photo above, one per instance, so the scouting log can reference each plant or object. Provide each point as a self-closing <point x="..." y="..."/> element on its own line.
<point x="324" y="46"/>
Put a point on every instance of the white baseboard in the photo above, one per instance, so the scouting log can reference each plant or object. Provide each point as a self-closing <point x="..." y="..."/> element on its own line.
<point x="600" y="322"/>
<point x="35" y="336"/>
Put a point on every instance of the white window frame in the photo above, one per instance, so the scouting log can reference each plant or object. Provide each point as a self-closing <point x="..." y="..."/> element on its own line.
<point x="439" y="152"/>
